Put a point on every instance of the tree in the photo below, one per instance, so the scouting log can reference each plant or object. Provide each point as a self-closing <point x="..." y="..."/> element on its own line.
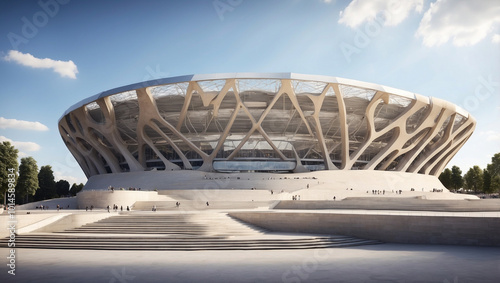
<point x="445" y="178"/>
<point x="46" y="183"/>
<point x="62" y="188"/>
<point x="495" y="184"/>
<point x="75" y="189"/>
<point x="494" y="171"/>
<point x="8" y="160"/>
<point x="486" y="181"/>
<point x="494" y="166"/>
<point x="27" y="184"/>
<point x="456" y="178"/>
<point x="473" y="179"/>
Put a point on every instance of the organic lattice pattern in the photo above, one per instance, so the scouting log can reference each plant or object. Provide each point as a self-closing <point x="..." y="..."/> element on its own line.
<point x="269" y="123"/>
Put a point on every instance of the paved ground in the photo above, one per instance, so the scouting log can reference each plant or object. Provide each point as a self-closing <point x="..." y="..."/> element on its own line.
<point x="378" y="263"/>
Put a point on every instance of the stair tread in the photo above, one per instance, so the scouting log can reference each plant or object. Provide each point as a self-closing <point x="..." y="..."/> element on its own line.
<point x="210" y="231"/>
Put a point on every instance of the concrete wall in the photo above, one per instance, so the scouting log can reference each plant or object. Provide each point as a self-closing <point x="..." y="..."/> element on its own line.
<point x="481" y="231"/>
<point x="101" y="199"/>
<point x="23" y="220"/>
<point x="391" y="203"/>
<point x="360" y="181"/>
<point x="51" y="203"/>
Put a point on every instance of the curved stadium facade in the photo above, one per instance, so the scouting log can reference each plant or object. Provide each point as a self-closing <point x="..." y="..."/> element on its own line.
<point x="275" y="123"/>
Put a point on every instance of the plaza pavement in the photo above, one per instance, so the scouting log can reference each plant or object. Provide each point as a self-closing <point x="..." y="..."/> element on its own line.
<point x="376" y="263"/>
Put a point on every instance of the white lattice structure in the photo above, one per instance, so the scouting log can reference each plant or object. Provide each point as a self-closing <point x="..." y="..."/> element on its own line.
<point x="263" y="123"/>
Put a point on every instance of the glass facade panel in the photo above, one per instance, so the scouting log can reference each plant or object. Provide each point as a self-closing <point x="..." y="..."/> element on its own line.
<point x="95" y="112"/>
<point x="308" y="87"/>
<point x="169" y="90"/>
<point x="258" y="85"/>
<point x="212" y="86"/>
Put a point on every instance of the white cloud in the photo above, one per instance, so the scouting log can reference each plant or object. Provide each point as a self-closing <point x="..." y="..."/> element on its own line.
<point x="492" y="135"/>
<point x="496" y="38"/>
<point x="465" y="22"/>
<point x="59" y="176"/>
<point x="392" y="12"/>
<point x="63" y="68"/>
<point x="22" y="146"/>
<point x="20" y="124"/>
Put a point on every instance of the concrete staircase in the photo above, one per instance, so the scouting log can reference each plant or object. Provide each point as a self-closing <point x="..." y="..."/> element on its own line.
<point x="145" y="223"/>
<point x="181" y="243"/>
<point x="177" y="231"/>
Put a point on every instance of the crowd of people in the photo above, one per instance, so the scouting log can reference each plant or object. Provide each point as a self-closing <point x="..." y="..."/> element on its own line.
<point x="46" y="207"/>
<point x="112" y="189"/>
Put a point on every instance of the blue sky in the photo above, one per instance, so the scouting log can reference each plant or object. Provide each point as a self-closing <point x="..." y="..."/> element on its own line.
<point x="444" y="49"/>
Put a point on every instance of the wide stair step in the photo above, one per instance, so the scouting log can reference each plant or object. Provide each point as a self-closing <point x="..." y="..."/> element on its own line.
<point x="184" y="243"/>
<point x="174" y="231"/>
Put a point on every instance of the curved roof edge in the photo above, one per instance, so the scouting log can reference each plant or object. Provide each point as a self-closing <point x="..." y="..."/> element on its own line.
<point x="223" y="76"/>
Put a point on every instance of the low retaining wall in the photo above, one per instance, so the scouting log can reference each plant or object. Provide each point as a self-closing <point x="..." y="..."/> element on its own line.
<point x="23" y="220"/>
<point x="51" y="203"/>
<point x="390" y="203"/>
<point x="407" y="229"/>
<point x="101" y="199"/>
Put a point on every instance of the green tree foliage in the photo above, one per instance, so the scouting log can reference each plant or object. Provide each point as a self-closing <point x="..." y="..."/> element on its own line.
<point x="445" y="179"/>
<point x="495" y="184"/>
<point x="486" y="181"/>
<point x="46" y="183"/>
<point x="27" y="184"/>
<point x="62" y="188"/>
<point x="456" y="178"/>
<point x="8" y="159"/>
<point x="494" y="171"/>
<point x="494" y="166"/>
<point x="473" y="179"/>
<point x="75" y="189"/>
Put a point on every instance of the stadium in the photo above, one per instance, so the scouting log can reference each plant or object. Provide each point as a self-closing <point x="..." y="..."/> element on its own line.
<point x="170" y="133"/>
<point x="252" y="161"/>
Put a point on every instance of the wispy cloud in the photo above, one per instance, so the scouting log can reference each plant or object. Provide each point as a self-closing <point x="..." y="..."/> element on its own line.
<point x="20" y="124"/>
<point x="63" y="68"/>
<point x="60" y="176"/>
<point x="491" y="135"/>
<point x="22" y="146"/>
<point x="392" y="12"/>
<point x="465" y="22"/>
<point x="496" y="38"/>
